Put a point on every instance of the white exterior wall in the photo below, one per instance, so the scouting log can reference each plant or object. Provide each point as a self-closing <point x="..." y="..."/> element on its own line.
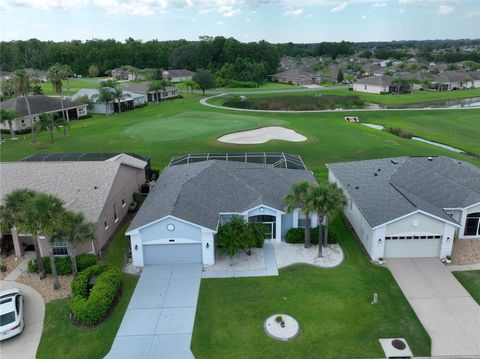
<point x="447" y="240"/>
<point x="415" y="224"/>
<point x="208" y="248"/>
<point x="369" y="88"/>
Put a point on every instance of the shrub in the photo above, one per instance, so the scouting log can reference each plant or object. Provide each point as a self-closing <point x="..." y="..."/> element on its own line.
<point x="297" y="235"/>
<point x="399" y="132"/>
<point x="86" y="260"/>
<point x="63" y="264"/>
<point x="3" y="267"/>
<point x="90" y="308"/>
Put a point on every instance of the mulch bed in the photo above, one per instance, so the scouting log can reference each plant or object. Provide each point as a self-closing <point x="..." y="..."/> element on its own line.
<point x="466" y="251"/>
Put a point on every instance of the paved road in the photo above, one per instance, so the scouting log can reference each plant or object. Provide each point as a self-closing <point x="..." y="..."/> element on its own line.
<point x="448" y="313"/>
<point x="159" y="320"/>
<point x="24" y="346"/>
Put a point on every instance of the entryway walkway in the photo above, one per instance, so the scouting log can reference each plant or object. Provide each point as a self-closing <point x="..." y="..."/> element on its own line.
<point x="270" y="267"/>
<point x="21" y="267"/>
<point x="159" y="320"/>
<point x="447" y="311"/>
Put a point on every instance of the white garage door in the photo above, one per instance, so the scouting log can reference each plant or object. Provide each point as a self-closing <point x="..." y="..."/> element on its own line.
<point x="412" y="246"/>
<point x="172" y="253"/>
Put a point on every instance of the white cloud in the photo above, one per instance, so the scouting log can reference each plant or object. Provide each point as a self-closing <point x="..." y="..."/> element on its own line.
<point x="293" y="12"/>
<point x="248" y="20"/>
<point x="219" y="23"/>
<point x="401" y="11"/>
<point x="379" y="4"/>
<point x="445" y="9"/>
<point x="339" y="7"/>
<point x="363" y="17"/>
<point x="229" y="11"/>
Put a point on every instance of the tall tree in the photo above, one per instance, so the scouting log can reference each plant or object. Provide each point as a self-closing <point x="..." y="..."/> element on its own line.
<point x="7" y="115"/>
<point x="204" y="79"/>
<point x="45" y="213"/>
<point x="93" y="71"/>
<point x="75" y="231"/>
<point x="56" y="75"/>
<point x="298" y="198"/>
<point x="117" y="91"/>
<point x="15" y="215"/>
<point x="22" y="86"/>
<point x="326" y="200"/>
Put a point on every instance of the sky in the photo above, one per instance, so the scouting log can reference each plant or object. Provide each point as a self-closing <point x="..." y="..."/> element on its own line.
<point x="277" y="21"/>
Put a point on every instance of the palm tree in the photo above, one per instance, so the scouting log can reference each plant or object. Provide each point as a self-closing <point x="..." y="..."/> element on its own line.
<point x="14" y="212"/>
<point x="44" y="213"/>
<point x="7" y="115"/>
<point x="76" y="231"/>
<point x="297" y="198"/>
<point x="106" y="95"/>
<point x="327" y="200"/>
<point x="117" y="90"/>
<point x="22" y="86"/>
<point x="49" y="123"/>
<point x="67" y="73"/>
<point x="56" y="75"/>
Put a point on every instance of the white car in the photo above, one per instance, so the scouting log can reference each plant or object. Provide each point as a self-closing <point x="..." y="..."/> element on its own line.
<point x="11" y="313"/>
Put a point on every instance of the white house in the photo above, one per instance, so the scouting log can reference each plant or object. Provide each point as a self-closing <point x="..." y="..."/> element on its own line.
<point x="143" y="88"/>
<point x="178" y="75"/>
<point x="180" y="217"/>
<point x="375" y="84"/>
<point x="128" y="101"/>
<point x="410" y="206"/>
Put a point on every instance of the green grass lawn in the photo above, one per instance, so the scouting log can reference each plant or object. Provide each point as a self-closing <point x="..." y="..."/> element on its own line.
<point x="75" y="86"/>
<point x="471" y="281"/>
<point x="181" y="126"/>
<point x="61" y="339"/>
<point x="333" y="307"/>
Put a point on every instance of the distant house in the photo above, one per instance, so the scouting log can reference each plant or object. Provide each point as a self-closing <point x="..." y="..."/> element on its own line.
<point x="39" y="75"/>
<point x="129" y="73"/>
<point x="452" y="80"/>
<point x="41" y="104"/>
<point x="5" y="75"/>
<point x="379" y="85"/>
<point x="129" y="101"/>
<point x="475" y="78"/>
<point x="178" y="75"/>
<point x="143" y="88"/>
<point x="297" y="76"/>
<point x="100" y="189"/>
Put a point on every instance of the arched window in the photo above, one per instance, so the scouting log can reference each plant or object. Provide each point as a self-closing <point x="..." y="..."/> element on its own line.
<point x="472" y="224"/>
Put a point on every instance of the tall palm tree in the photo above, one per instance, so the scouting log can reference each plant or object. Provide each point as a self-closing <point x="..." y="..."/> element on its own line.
<point x="76" y="231"/>
<point x="22" y="86"/>
<point x="44" y="214"/>
<point x="106" y="95"/>
<point x="297" y="198"/>
<point x="67" y="73"/>
<point x="49" y="123"/>
<point x="7" y="115"/>
<point x="56" y="75"/>
<point x="13" y="216"/>
<point x="327" y="200"/>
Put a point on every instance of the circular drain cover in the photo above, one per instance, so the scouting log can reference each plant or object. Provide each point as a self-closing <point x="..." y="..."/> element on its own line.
<point x="398" y="344"/>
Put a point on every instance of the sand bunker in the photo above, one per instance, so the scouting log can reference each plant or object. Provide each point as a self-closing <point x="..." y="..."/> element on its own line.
<point x="262" y="135"/>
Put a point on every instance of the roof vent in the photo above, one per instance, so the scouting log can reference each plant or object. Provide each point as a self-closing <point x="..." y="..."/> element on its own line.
<point x="95" y="187"/>
<point x="379" y="170"/>
<point x="430" y="158"/>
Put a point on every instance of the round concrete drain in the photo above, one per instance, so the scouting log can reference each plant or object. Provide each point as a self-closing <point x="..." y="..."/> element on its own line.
<point x="282" y="327"/>
<point x="398" y="344"/>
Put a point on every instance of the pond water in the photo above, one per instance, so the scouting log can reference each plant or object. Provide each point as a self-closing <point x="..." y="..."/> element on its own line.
<point x="450" y="148"/>
<point x="454" y="103"/>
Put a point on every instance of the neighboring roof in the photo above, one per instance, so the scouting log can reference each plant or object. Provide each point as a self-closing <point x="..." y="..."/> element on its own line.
<point x="82" y="186"/>
<point x="179" y="73"/>
<point x="451" y="76"/>
<point x="198" y="192"/>
<point x="143" y="87"/>
<point x="377" y="80"/>
<point x="386" y="189"/>
<point x="93" y="94"/>
<point x="127" y="158"/>
<point x="296" y="73"/>
<point x="38" y="104"/>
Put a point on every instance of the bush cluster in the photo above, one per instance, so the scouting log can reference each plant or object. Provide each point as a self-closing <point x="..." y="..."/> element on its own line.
<point x="90" y="308"/>
<point x="64" y="264"/>
<point x="297" y="235"/>
<point x="399" y="132"/>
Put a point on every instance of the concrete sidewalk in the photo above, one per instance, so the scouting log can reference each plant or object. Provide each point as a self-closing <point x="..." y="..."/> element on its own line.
<point x="159" y="320"/>
<point x="447" y="311"/>
<point x="21" y="267"/>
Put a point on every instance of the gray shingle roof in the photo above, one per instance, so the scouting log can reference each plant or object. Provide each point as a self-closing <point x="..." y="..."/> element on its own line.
<point x="38" y="104"/>
<point x="143" y="87"/>
<point x="406" y="184"/>
<point x="82" y="186"/>
<point x="377" y="80"/>
<point x="198" y="192"/>
<point x="180" y="73"/>
<point x="298" y="72"/>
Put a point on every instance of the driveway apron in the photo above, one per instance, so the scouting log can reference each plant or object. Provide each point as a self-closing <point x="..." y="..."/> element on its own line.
<point x="159" y="320"/>
<point x="447" y="311"/>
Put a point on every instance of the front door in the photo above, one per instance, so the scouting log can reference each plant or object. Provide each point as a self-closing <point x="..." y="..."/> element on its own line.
<point x="270" y="223"/>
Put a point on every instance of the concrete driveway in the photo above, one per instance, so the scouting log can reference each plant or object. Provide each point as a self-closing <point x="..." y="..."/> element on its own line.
<point x="24" y="346"/>
<point x="159" y="320"/>
<point x="446" y="310"/>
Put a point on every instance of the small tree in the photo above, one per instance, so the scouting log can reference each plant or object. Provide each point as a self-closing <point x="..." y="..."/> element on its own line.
<point x="155" y="86"/>
<point x="231" y="236"/>
<point x="22" y="86"/>
<point x="106" y="95"/>
<point x="205" y="80"/>
<point x="49" y="123"/>
<point x="93" y="71"/>
<point x="7" y="115"/>
<point x="340" y="76"/>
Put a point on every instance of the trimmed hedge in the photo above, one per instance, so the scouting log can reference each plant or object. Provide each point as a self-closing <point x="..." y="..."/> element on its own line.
<point x="297" y="235"/>
<point x="64" y="264"/>
<point x="90" y="308"/>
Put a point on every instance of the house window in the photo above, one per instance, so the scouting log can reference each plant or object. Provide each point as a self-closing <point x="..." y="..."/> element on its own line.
<point x="123" y="202"/>
<point x="115" y="217"/>
<point x="472" y="224"/>
<point x="60" y="249"/>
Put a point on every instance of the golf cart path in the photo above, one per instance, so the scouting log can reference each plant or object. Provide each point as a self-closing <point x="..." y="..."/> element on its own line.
<point x="24" y="346"/>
